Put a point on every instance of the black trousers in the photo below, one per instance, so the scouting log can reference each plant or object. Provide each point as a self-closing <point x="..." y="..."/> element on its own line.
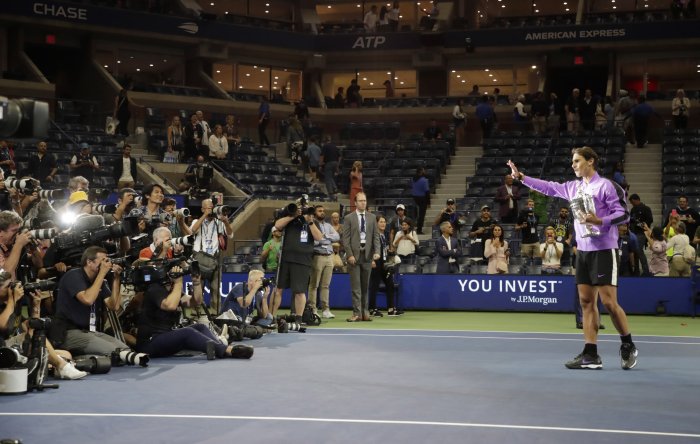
<point x="422" y="204"/>
<point x="377" y="276"/>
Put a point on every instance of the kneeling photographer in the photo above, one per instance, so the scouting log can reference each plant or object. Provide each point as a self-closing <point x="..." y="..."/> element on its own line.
<point x="83" y="298"/>
<point x="15" y="334"/>
<point x="159" y="331"/>
<point x="247" y="297"/>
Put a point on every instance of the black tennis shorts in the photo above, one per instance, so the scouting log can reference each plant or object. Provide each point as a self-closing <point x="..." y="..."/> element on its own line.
<point x="294" y="276"/>
<point x="597" y="267"/>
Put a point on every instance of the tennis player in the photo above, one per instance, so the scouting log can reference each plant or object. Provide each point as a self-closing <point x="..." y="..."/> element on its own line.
<point x="600" y="206"/>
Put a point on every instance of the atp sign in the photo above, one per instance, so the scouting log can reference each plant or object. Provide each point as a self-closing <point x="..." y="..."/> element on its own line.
<point x="369" y="42"/>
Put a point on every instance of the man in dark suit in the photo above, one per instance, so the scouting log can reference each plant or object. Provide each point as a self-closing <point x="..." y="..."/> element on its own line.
<point x="192" y="139"/>
<point x="447" y="249"/>
<point x="362" y="245"/>
<point x="124" y="169"/>
<point x="507" y="196"/>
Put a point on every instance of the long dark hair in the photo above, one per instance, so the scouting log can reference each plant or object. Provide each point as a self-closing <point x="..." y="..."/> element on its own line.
<point x="501" y="237"/>
<point x="657" y="233"/>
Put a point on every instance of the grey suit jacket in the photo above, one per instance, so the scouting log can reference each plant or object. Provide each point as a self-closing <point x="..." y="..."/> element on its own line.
<point x="351" y="236"/>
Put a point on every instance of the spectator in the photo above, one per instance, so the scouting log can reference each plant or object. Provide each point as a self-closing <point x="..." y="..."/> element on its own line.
<point x="175" y="138"/>
<point x="7" y="162"/>
<point x="447" y="250"/>
<point x="554" y="118"/>
<point x="475" y="91"/>
<point x="481" y="231"/>
<point x="539" y="111"/>
<point x="520" y="116"/>
<point x="587" y="110"/>
<point x="432" y="132"/>
<point x="689" y="216"/>
<point x="388" y="88"/>
<point x="405" y="241"/>
<point x="640" y="215"/>
<point x="313" y="152"/>
<point x="619" y="176"/>
<point x="383" y="18"/>
<point x="124" y="169"/>
<point x="295" y="140"/>
<point x="571" y="109"/>
<point x="263" y="120"/>
<point x="609" y="109"/>
<point x="507" y="196"/>
<point x="206" y="132"/>
<point x="449" y="214"/>
<point x="623" y="115"/>
<point x="487" y="117"/>
<point x="330" y="159"/>
<point x="355" y="182"/>
<point x="233" y="135"/>
<point x="551" y="252"/>
<point x="394" y="16"/>
<point x="427" y="22"/>
<point x="658" y="263"/>
<point x="84" y="163"/>
<point x="322" y="264"/>
<point x="192" y="139"/>
<point x="527" y="225"/>
<point x="420" y="190"/>
<point x="627" y="247"/>
<point x="395" y="225"/>
<point x="641" y="115"/>
<point x="122" y="112"/>
<point x="218" y="144"/>
<point x="563" y="229"/>
<point x="301" y="110"/>
<point x="178" y="222"/>
<point x="339" y="100"/>
<point x="678" y="267"/>
<point x="600" y="115"/>
<point x="680" y="109"/>
<point x="353" y="97"/>
<point x="42" y="166"/>
<point x="459" y="120"/>
<point x="381" y="272"/>
<point x="371" y="19"/>
<point x="497" y="252"/>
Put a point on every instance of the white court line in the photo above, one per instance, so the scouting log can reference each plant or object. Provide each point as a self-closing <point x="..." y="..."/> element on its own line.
<point x="553" y="333"/>
<point x="515" y="338"/>
<point x="360" y="421"/>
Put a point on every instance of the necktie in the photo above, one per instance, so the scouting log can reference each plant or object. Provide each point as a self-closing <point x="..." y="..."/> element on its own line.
<point x="362" y="222"/>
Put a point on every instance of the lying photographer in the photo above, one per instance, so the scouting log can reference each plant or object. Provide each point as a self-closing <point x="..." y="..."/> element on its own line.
<point x="159" y="331"/>
<point x="10" y="299"/>
<point x="246" y="297"/>
<point x="83" y="295"/>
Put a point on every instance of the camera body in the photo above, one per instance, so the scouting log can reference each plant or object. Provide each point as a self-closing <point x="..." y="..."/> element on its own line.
<point x="266" y="282"/>
<point x="157" y="271"/>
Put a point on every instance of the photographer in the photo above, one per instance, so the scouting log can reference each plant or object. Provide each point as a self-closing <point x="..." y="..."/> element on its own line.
<point x="159" y="333"/>
<point x="178" y="223"/>
<point x="125" y="203"/>
<point x="551" y="252"/>
<point x="300" y="232"/>
<point x="150" y="214"/>
<point x="640" y="214"/>
<point x="449" y="214"/>
<point x="83" y="296"/>
<point x="211" y="233"/>
<point x="84" y="163"/>
<point x="246" y="297"/>
<point x="11" y="295"/>
<point x="197" y="174"/>
<point x="527" y="225"/>
<point x="12" y="244"/>
<point x="481" y="231"/>
<point x="161" y="246"/>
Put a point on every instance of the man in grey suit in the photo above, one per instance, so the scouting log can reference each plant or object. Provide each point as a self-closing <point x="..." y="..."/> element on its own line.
<point x="361" y="242"/>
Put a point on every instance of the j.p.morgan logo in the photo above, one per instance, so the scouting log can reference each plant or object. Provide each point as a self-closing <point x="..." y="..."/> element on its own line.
<point x="521" y="291"/>
<point x="189" y="27"/>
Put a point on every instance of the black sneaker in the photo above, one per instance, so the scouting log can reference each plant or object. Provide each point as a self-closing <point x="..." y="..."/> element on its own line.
<point x="377" y="314"/>
<point x="392" y="313"/>
<point x="628" y="356"/>
<point x="579" y="325"/>
<point x="585" y="361"/>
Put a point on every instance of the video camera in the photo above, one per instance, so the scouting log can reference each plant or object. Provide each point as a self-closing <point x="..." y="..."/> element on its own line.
<point x="26" y="186"/>
<point x="144" y="274"/>
<point x="24" y="118"/>
<point x="91" y="230"/>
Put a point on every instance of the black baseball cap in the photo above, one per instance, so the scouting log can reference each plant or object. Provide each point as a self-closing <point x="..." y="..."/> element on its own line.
<point x="450" y="201"/>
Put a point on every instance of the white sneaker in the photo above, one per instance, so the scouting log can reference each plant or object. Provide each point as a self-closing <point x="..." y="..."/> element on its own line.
<point x="223" y="337"/>
<point x="327" y="314"/>
<point x="69" y="372"/>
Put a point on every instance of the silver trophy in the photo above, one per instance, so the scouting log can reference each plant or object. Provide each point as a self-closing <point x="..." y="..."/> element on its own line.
<point x="581" y="205"/>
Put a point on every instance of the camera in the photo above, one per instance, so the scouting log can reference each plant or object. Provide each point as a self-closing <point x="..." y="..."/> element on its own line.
<point x="23" y="185"/>
<point x="184" y="240"/>
<point x="104" y="209"/>
<point x="90" y="230"/>
<point x="184" y="212"/>
<point x="221" y="210"/>
<point x="24" y="118"/>
<point x="52" y="194"/>
<point x="266" y="282"/>
<point x="44" y="233"/>
<point x="11" y="356"/>
<point x="158" y="271"/>
<point x="44" y="285"/>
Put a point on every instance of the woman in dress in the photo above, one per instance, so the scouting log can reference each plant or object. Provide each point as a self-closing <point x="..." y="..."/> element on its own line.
<point x="496" y="251"/>
<point x="355" y="182"/>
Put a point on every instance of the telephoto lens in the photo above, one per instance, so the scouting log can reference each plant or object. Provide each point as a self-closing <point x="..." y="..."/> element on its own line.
<point x="184" y="212"/>
<point x="44" y="233"/>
